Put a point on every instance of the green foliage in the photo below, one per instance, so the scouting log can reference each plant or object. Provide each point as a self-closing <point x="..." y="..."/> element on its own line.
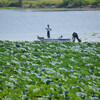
<point x="29" y="3"/>
<point x="80" y="3"/>
<point x="74" y="3"/>
<point x="49" y="70"/>
<point x="6" y="3"/>
<point x="96" y="3"/>
<point x="50" y="3"/>
<point x="94" y="34"/>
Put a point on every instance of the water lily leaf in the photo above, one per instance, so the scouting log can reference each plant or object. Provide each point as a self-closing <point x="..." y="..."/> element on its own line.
<point x="1" y="98"/>
<point x="78" y="98"/>
<point x="72" y="95"/>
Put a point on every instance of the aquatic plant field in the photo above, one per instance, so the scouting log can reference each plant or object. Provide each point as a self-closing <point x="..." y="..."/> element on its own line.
<point x="49" y="70"/>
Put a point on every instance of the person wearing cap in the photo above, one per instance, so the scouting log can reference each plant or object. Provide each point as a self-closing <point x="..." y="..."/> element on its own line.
<point x="75" y="35"/>
<point x="48" y="30"/>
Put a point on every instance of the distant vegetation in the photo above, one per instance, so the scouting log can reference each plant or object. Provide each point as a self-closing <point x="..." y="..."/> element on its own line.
<point x="50" y="3"/>
<point x="80" y="3"/>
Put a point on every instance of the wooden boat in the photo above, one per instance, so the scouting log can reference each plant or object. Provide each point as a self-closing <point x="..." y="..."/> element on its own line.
<point x="54" y="39"/>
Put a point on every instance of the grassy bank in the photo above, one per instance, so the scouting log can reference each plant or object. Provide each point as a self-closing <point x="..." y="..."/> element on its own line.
<point x="49" y="71"/>
<point x="51" y="3"/>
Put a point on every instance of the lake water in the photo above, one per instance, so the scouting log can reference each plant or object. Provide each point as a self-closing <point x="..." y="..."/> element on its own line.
<point x="21" y="25"/>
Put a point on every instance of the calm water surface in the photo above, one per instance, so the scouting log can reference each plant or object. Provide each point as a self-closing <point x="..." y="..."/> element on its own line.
<point x="21" y="25"/>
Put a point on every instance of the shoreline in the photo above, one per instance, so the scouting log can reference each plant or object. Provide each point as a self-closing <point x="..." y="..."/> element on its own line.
<point x="53" y="9"/>
<point x="48" y="41"/>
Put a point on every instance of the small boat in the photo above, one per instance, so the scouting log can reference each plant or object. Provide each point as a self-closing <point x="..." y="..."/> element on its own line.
<point x="54" y="39"/>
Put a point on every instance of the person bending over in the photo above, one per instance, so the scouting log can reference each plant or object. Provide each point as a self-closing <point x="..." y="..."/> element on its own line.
<point x="75" y="36"/>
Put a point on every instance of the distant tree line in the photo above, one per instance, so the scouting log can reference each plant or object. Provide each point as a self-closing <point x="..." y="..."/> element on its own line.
<point x="11" y="3"/>
<point x="80" y="3"/>
<point x="64" y="4"/>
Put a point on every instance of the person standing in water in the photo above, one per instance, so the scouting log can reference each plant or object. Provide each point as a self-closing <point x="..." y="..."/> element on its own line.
<point x="75" y="35"/>
<point x="48" y="30"/>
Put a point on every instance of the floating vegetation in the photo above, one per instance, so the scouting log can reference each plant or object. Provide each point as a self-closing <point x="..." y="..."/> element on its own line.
<point x="49" y="71"/>
<point x="94" y="34"/>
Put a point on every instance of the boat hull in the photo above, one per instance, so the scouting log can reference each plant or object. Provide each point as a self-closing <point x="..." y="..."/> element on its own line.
<point x="51" y="39"/>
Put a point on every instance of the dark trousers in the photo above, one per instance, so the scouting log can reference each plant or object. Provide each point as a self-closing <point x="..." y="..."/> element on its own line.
<point x="76" y="38"/>
<point x="48" y="34"/>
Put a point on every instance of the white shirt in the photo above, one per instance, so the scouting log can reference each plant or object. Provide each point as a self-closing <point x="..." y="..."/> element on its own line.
<point x="48" y="29"/>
